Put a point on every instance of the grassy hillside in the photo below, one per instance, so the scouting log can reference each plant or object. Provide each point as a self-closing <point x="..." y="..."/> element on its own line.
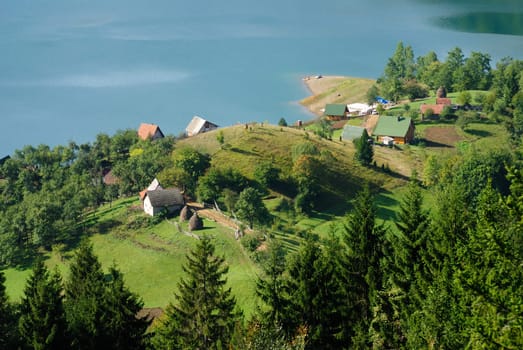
<point x="149" y="255"/>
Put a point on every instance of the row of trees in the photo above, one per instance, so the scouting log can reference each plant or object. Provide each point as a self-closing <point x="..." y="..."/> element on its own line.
<point x="90" y="310"/>
<point x="44" y="191"/>
<point x="450" y="278"/>
<point x="502" y="85"/>
<point x="405" y="74"/>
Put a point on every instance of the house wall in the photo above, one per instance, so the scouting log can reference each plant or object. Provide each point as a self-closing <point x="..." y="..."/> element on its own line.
<point x="157" y="135"/>
<point x="410" y="133"/>
<point x="152" y="211"/>
<point x="208" y="127"/>
<point x="148" y="207"/>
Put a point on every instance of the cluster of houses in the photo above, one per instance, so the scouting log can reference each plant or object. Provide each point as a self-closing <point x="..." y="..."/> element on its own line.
<point x="196" y="126"/>
<point x="386" y="130"/>
<point x="155" y="199"/>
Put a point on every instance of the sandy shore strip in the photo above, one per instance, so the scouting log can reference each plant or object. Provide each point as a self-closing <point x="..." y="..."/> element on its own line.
<point x="334" y="89"/>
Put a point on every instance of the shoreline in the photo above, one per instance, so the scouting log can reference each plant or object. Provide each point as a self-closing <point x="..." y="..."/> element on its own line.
<point x="333" y="89"/>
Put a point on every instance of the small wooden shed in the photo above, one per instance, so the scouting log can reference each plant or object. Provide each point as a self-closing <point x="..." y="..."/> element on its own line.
<point x="336" y="112"/>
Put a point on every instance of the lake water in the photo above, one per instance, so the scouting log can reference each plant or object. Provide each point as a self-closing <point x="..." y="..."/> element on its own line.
<point x="70" y="69"/>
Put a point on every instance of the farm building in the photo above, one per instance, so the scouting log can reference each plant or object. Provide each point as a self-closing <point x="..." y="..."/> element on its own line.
<point x="397" y="129"/>
<point x="159" y="200"/>
<point x="336" y="111"/>
<point x="150" y="132"/>
<point x="154" y="185"/>
<point x="199" y="125"/>
<point x="360" y="109"/>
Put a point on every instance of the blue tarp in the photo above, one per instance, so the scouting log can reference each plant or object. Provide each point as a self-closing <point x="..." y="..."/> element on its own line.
<point x="381" y="100"/>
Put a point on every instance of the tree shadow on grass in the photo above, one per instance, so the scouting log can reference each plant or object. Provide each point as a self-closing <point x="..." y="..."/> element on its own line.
<point x="429" y="143"/>
<point x="479" y="133"/>
<point x="243" y="151"/>
<point x="383" y="203"/>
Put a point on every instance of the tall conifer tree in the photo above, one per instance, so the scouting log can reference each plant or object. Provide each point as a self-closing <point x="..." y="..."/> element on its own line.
<point x="42" y="322"/>
<point x="84" y="293"/>
<point x="203" y="316"/>
<point x="364" y="239"/>
<point x="408" y="264"/>
<point x="271" y="288"/>
<point x="122" y="328"/>
<point x="315" y="297"/>
<point x="8" y="334"/>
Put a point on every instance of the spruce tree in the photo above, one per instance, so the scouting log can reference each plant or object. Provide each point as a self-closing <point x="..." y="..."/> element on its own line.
<point x="407" y="266"/>
<point x="491" y="276"/>
<point x="364" y="151"/>
<point x="203" y="316"/>
<point x="271" y="288"/>
<point x="42" y="323"/>
<point x="8" y="334"/>
<point x="84" y="293"/>
<point x="361" y="264"/>
<point x="315" y="297"/>
<point x="122" y="328"/>
<point x="101" y="310"/>
<point x="440" y="321"/>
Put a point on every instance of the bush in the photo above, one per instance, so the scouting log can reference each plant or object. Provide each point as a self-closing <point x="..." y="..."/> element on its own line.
<point x="282" y="122"/>
<point x="251" y="242"/>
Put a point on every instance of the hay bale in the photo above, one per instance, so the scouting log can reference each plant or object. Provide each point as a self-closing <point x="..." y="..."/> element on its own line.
<point x="441" y="92"/>
<point x="195" y="223"/>
<point x="185" y="214"/>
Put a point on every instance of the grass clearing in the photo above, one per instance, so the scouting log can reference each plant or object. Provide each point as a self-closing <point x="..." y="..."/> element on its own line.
<point x="151" y="257"/>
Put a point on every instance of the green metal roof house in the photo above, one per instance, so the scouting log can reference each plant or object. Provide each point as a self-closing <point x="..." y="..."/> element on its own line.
<point x="399" y="129"/>
<point x="336" y="111"/>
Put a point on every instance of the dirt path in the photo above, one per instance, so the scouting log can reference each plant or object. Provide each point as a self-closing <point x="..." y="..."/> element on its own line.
<point x="215" y="216"/>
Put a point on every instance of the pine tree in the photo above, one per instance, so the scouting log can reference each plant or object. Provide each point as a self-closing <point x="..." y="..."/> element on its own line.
<point x="84" y="293"/>
<point x="364" y="151"/>
<point x="122" y="328"/>
<point x="271" y="288"/>
<point x="203" y="317"/>
<point x="101" y="311"/>
<point x="315" y="297"/>
<point x="491" y="274"/>
<point x="440" y="322"/>
<point x="42" y="323"/>
<point x="361" y="264"/>
<point x="8" y="334"/>
<point x="408" y="264"/>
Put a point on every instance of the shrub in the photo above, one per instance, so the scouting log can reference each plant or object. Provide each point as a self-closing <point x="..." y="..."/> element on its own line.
<point x="251" y="242"/>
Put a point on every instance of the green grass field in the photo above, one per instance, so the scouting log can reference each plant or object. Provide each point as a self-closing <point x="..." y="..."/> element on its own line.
<point x="151" y="257"/>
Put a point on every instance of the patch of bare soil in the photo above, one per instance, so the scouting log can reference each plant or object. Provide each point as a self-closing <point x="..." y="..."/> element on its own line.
<point x="370" y="122"/>
<point x="442" y="136"/>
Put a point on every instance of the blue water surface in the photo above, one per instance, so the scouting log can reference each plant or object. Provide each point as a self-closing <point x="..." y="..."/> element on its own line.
<point x="70" y="69"/>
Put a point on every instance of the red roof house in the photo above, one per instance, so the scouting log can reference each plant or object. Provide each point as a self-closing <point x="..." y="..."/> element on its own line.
<point x="150" y="132"/>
